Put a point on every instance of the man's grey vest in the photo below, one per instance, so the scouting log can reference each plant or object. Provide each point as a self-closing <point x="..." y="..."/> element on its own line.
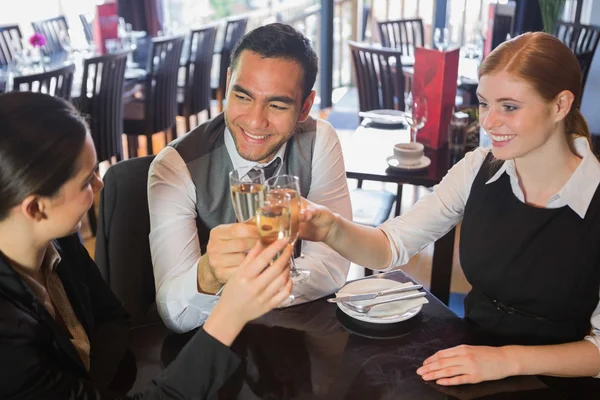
<point x="205" y="155"/>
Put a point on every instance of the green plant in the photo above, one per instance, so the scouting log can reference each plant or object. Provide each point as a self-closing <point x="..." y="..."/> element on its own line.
<point x="551" y="10"/>
<point x="221" y="8"/>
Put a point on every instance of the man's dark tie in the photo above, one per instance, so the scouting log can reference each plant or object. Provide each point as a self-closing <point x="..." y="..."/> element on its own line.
<point x="269" y="170"/>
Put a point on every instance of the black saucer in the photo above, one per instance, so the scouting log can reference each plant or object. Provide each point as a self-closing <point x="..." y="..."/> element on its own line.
<point x="378" y="331"/>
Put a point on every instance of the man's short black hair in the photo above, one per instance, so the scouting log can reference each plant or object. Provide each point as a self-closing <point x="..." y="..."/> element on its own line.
<point x="281" y="41"/>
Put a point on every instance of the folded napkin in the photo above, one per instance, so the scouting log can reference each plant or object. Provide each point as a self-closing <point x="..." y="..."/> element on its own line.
<point x="390" y="309"/>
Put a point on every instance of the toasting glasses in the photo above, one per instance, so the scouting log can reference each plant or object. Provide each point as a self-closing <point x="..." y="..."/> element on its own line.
<point x="288" y="186"/>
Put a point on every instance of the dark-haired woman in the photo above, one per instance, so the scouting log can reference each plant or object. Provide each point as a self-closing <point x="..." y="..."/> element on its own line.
<point x="530" y="233"/>
<point x="61" y="329"/>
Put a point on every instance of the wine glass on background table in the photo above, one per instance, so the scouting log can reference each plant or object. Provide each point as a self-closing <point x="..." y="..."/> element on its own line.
<point x="282" y="186"/>
<point x="415" y="112"/>
<point x="247" y="187"/>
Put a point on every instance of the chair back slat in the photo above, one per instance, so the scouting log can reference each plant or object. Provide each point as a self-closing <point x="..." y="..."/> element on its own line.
<point x="57" y="82"/>
<point x="403" y="34"/>
<point x="197" y="90"/>
<point x="10" y="43"/>
<point x="234" y="30"/>
<point x="161" y="83"/>
<point x="379" y="77"/>
<point x="102" y="100"/>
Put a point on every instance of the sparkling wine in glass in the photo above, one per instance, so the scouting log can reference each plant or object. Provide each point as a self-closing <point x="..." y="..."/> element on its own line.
<point x="288" y="186"/>
<point x="273" y="221"/>
<point x="247" y="192"/>
<point x="415" y="112"/>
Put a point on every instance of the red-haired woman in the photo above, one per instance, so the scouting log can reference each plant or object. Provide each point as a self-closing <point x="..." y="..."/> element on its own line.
<point x="530" y="234"/>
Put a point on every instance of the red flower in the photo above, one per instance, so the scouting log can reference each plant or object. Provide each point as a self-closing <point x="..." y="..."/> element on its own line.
<point x="37" y="40"/>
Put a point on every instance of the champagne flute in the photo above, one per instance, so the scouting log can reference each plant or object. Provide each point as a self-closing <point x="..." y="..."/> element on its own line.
<point x="247" y="192"/>
<point x="273" y="221"/>
<point x="289" y="185"/>
<point x="415" y="113"/>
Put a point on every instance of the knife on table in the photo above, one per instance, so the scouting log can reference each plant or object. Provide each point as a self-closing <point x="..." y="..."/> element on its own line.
<point x="374" y="295"/>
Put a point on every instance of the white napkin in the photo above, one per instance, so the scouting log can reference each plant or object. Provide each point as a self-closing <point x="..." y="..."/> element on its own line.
<point x="394" y="308"/>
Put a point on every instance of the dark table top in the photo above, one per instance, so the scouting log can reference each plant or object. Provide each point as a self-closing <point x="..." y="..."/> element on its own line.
<point x="314" y="351"/>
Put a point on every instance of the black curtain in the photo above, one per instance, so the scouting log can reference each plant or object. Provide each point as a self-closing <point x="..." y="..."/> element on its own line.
<point x="143" y="15"/>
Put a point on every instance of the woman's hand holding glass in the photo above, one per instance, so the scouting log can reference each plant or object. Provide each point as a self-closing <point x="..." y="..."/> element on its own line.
<point x="260" y="284"/>
<point x="273" y="222"/>
<point x="288" y="186"/>
<point x="316" y="222"/>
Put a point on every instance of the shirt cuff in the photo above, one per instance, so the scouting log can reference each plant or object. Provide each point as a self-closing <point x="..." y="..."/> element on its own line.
<point x="394" y="259"/>
<point x="200" y="301"/>
<point x="596" y="341"/>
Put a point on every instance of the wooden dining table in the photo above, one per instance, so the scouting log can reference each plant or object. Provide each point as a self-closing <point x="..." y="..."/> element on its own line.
<point x="365" y="152"/>
<point x="314" y="351"/>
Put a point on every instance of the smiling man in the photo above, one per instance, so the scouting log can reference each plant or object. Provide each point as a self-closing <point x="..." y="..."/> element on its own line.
<point x="195" y="241"/>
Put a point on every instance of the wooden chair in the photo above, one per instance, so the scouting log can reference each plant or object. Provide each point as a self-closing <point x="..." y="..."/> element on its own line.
<point x="195" y="95"/>
<point x="380" y="83"/>
<point x="403" y="34"/>
<point x="234" y="30"/>
<point x="582" y="40"/>
<point x="157" y="110"/>
<point x="101" y="100"/>
<point x="55" y="30"/>
<point x="379" y="77"/>
<point x="10" y="43"/>
<point x="57" y="82"/>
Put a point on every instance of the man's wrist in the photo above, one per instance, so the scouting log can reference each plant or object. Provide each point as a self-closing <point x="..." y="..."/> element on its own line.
<point x="207" y="283"/>
<point x="333" y="230"/>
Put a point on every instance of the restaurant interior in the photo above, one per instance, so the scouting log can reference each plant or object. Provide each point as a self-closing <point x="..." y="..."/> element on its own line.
<point x="146" y="72"/>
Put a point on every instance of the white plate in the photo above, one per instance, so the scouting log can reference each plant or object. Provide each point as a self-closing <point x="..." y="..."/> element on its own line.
<point x="386" y="313"/>
<point x="423" y="163"/>
<point x="383" y="121"/>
